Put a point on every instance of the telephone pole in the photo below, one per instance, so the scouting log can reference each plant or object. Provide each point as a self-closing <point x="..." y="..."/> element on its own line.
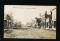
<point x="40" y="20"/>
<point x="45" y="18"/>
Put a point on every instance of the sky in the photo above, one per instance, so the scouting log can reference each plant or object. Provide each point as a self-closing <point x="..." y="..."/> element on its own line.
<point x="25" y="13"/>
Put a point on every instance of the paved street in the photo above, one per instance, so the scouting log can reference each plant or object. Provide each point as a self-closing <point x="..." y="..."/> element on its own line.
<point x="29" y="32"/>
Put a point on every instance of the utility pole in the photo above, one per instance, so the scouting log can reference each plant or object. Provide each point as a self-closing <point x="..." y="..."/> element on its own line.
<point x="50" y="20"/>
<point x="45" y="18"/>
<point x="40" y="20"/>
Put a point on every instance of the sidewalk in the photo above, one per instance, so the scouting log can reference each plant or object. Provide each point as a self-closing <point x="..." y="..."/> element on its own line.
<point x="49" y="28"/>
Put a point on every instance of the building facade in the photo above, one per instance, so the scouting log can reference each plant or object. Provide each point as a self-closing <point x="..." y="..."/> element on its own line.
<point x="7" y="21"/>
<point x="50" y="20"/>
<point x="54" y="18"/>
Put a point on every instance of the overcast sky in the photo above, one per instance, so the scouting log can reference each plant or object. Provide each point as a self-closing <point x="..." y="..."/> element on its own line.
<point x="25" y="13"/>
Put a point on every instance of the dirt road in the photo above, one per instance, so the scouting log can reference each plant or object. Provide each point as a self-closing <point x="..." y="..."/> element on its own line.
<point x="29" y="32"/>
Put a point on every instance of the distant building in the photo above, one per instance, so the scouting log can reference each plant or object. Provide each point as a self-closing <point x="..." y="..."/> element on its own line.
<point x="28" y="24"/>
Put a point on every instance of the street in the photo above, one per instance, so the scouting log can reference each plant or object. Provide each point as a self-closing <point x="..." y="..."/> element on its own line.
<point x="30" y="32"/>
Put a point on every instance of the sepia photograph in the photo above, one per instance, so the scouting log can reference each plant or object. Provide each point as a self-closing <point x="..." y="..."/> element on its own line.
<point x="30" y="22"/>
